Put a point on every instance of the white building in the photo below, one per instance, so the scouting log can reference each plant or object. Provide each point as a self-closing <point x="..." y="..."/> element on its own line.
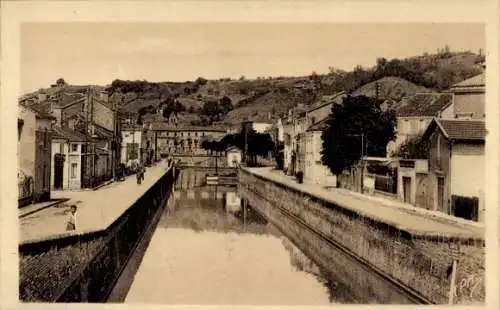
<point x="261" y="127"/>
<point x="233" y="202"/>
<point x="234" y="156"/>
<point x="457" y="167"/>
<point x="66" y="172"/>
<point x="315" y="172"/>
<point x="132" y="137"/>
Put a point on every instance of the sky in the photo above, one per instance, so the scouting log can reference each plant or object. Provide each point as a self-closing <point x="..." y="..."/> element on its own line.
<point x="98" y="53"/>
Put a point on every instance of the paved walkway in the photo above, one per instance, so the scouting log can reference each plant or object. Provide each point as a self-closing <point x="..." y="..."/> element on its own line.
<point x="414" y="220"/>
<point x="36" y="207"/>
<point x="96" y="209"/>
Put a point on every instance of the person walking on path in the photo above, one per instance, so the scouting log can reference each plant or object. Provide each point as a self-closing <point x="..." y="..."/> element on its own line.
<point x="71" y="220"/>
<point x="143" y="171"/>
<point x="138" y="175"/>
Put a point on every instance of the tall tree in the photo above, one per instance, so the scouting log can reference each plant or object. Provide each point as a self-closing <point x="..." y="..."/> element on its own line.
<point x="413" y="148"/>
<point x="357" y="122"/>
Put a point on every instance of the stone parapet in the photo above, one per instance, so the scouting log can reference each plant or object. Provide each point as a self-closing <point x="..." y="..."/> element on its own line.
<point x="419" y="261"/>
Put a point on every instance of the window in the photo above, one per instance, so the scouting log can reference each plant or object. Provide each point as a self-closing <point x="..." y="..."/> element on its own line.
<point x="20" y="124"/>
<point x="74" y="147"/>
<point x="74" y="168"/>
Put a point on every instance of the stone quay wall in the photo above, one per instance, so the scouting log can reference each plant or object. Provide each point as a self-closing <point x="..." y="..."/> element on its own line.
<point x="85" y="267"/>
<point x="421" y="264"/>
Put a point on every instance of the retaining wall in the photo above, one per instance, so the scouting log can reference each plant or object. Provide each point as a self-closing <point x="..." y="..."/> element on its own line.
<point x="419" y="263"/>
<point x="84" y="268"/>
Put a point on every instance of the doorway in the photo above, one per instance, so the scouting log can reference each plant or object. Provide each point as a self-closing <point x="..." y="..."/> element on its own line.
<point x="58" y="171"/>
<point x="407" y="189"/>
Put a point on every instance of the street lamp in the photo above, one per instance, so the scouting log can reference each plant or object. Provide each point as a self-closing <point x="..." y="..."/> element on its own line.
<point x="362" y="135"/>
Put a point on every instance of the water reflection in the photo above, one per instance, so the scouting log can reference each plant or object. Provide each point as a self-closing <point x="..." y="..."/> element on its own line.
<point x="211" y="248"/>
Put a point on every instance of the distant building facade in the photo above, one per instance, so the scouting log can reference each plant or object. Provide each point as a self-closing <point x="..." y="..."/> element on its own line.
<point x="171" y="140"/>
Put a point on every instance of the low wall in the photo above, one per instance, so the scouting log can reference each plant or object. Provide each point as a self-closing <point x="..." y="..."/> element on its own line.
<point x="84" y="268"/>
<point x="421" y="264"/>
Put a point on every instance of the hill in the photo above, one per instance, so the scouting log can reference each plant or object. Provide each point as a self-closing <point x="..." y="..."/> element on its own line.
<point x="390" y="88"/>
<point x="260" y="98"/>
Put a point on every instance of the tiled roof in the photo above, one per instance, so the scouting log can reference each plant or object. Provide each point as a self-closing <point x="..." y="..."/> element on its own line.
<point x="128" y="127"/>
<point x="319" y="126"/>
<point x="464" y="129"/>
<point x="67" y="134"/>
<point x="476" y="81"/>
<point x="423" y="104"/>
<point x="169" y="127"/>
<point x="66" y="99"/>
<point x="459" y="130"/>
<point x="102" y="132"/>
<point x="38" y="112"/>
<point x="325" y="100"/>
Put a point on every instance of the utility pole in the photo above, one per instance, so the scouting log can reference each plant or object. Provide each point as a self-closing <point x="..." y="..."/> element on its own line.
<point x="245" y="128"/>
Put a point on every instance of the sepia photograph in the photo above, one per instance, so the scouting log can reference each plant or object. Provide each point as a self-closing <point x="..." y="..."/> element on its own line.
<point x="252" y="163"/>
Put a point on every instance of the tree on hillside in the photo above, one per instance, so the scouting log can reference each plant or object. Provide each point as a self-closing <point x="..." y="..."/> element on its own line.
<point x="211" y="109"/>
<point x="225" y="104"/>
<point x="61" y="82"/>
<point x="201" y="81"/>
<point x="413" y="148"/>
<point x="172" y="106"/>
<point x="356" y="119"/>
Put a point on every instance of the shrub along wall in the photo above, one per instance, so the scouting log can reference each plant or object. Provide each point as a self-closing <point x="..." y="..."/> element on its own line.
<point x="422" y="264"/>
<point x="84" y="268"/>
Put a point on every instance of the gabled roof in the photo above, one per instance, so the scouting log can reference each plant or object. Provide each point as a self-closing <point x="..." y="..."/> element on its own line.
<point x="424" y="104"/>
<point x="319" y="126"/>
<point x="458" y="130"/>
<point x="67" y="134"/>
<point x="39" y="113"/>
<point x="102" y="132"/>
<point x="326" y="100"/>
<point x="476" y="81"/>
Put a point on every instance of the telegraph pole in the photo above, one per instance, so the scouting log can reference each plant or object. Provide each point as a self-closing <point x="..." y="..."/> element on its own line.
<point x="245" y="128"/>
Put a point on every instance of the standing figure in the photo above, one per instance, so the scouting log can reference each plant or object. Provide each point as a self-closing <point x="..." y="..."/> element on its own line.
<point x="71" y="220"/>
<point x="143" y="171"/>
<point x="138" y="175"/>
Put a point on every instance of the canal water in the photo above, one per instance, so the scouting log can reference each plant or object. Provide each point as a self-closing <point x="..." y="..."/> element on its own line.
<point x="209" y="249"/>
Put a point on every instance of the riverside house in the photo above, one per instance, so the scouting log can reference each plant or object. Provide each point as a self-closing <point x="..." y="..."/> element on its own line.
<point x="457" y="167"/>
<point x="34" y="128"/>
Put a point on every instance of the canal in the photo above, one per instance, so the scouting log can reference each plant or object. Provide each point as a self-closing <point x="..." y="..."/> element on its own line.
<point x="209" y="249"/>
